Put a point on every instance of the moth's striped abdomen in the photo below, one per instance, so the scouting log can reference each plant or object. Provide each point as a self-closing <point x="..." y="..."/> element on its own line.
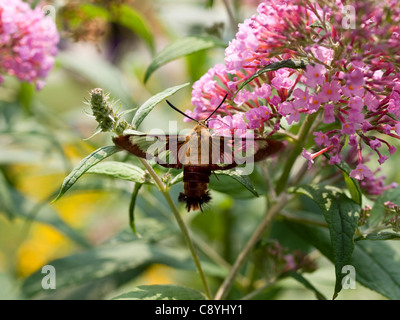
<point x="195" y="185"/>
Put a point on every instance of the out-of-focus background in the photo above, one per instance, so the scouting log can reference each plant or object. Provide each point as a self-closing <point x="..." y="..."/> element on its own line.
<point x="43" y="135"/>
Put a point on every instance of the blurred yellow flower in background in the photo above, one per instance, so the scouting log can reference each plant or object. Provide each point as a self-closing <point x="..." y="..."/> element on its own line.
<point x="44" y="244"/>
<point x="158" y="274"/>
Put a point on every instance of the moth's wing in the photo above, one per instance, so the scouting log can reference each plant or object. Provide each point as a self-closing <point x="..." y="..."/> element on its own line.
<point x="163" y="148"/>
<point x="255" y="149"/>
<point x="234" y="151"/>
<point x="221" y="153"/>
<point x="266" y="148"/>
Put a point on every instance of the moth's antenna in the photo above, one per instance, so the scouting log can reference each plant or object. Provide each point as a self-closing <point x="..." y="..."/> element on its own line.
<point x="223" y="100"/>
<point x="176" y="109"/>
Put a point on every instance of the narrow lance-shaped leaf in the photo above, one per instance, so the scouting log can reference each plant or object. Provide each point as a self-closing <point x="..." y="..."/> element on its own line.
<point x="161" y="292"/>
<point x="297" y="276"/>
<point x="133" y="20"/>
<point x="244" y="180"/>
<point x="120" y="170"/>
<point x="341" y="214"/>
<point x="132" y="208"/>
<point x="149" y="105"/>
<point x="181" y="48"/>
<point x="7" y="206"/>
<point x="83" y="166"/>
<point x="293" y="64"/>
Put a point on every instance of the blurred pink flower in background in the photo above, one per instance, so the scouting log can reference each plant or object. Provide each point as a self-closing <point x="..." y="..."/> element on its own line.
<point x="28" y="42"/>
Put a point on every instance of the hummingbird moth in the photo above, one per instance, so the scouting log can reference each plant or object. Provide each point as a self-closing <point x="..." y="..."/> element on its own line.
<point x="199" y="154"/>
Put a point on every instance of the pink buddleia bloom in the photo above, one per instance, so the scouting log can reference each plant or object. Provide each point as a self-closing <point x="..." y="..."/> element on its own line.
<point x="348" y="128"/>
<point x="397" y="128"/>
<point x="355" y="116"/>
<point x="350" y="90"/>
<point x="321" y="139"/>
<point x="374" y="144"/>
<point x="275" y="100"/>
<point x="351" y="78"/>
<point x="288" y="110"/>
<point x="355" y="78"/>
<point x="28" y="42"/>
<point x="263" y="92"/>
<point x="322" y="53"/>
<point x="281" y="80"/>
<point x="394" y="104"/>
<point x="315" y="75"/>
<point x="353" y="140"/>
<point x="366" y="126"/>
<point x="314" y="103"/>
<point x="264" y="113"/>
<point x="329" y="115"/>
<point x="356" y="104"/>
<point x="301" y="98"/>
<point x="308" y="156"/>
<point x="226" y="126"/>
<point x="371" y="102"/>
<point x="254" y="119"/>
<point x="330" y="92"/>
<point x="335" y="159"/>
<point x="382" y="159"/>
<point x="361" y="172"/>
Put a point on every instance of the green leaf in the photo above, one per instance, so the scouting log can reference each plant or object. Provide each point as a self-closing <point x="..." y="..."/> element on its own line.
<point x="341" y="214"/>
<point x="101" y="262"/>
<point x="297" y="276"/>
<point x="178" y="178"/>
<point x="352" y="184"/>
<point x="134" y="21"/>
<point x="132" y="208"/>
<point x="378" y="211"/>
<point x="209" y="3"/>
<point x="243" y="180"/>
<point x="379" y="236"/>
<point x="25" y="95"/>
<point x="7" y="205"/>
<point x="83" y="166"/>
<point x="377" y="266"/>
<point x="94" y="11"/>
<point x="120" y="170"/>
<point x="161" y="292"/>
<point x="180" y="48"/>
<point x="377" y="263"/>
<point x="149" y="105"/>
<point x="289" y="63"/>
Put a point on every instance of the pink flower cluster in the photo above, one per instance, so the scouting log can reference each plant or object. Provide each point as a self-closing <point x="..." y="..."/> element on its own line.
<point x="352" y="80"/>
<point x="28" y="42"/>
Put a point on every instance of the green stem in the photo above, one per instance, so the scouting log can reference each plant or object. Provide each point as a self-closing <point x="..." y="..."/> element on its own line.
<point x="165" y="192"/>
<point x="297" y="149"/>
<point x="269" y="216"/>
